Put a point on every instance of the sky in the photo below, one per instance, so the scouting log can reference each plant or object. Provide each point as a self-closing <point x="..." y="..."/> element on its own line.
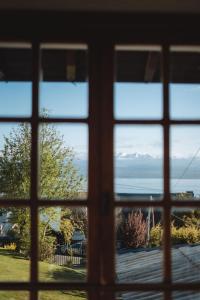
<point x="131" y="100"/>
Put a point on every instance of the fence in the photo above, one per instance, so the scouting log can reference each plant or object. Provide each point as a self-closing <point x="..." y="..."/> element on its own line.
<point x="66" y="260"/>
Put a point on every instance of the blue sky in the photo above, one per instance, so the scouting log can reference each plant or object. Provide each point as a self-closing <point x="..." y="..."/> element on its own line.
<point x="142" y="100"/>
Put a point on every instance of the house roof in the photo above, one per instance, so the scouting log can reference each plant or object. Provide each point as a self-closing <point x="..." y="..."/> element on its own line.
<point x="132" y="66"/>
<point x="78" y="236"/>
<point x="145" y="266"/>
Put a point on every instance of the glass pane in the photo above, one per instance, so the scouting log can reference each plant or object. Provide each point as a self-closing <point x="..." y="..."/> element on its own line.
<point x="64" y="86"/>
<point x="62" y="295"/>
<point x="138" y="162"/>
<point x="138" y="88"/>
<point x="186" y="295"/>
<point x="185" y="162"/>
<point x="63" y="161"/>
<point x="185" y="80"/>
<point x="15" y="145"/>
<point x="139" y="257"/>
<point x="14" y="295"/>
<point x="185" y="236"/>
<point x="140" y="296"/>
<point x="14" y="244"/>
<point x="15" y="79"/>
<point x="63" y="243"/>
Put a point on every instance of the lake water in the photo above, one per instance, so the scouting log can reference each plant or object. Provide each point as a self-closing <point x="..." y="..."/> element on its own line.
<point x="155" y="185"/>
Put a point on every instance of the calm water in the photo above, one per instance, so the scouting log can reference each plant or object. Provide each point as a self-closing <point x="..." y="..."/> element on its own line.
<point x="155" y="185"/>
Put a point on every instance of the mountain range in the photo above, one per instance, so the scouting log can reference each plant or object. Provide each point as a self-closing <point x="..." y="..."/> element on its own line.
<point x="146" y="166"/>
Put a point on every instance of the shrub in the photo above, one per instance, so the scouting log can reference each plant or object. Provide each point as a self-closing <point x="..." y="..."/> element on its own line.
<point x="185" y="235"/>
<point x="47" y="248"/>
<point x="156" y="236"/>
<point x="134" y="230"/>
<point x="11" y="246"/>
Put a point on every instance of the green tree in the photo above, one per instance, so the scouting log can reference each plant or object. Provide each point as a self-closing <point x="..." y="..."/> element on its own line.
<point x="58" y="177"/>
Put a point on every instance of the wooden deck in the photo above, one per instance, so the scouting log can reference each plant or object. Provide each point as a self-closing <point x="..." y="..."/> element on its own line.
<point x="146" y="265"/>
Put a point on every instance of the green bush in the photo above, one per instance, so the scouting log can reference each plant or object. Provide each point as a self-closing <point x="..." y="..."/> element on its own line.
<point x="185" y="235"/>
<point x="156" y="236"/>
<point x="188" y="234"/>
<point x="47" y="248"/>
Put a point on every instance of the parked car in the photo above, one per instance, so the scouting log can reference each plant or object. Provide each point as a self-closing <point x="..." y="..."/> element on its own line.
<point x="75" y="249"/>
<point x="79" y="248"/>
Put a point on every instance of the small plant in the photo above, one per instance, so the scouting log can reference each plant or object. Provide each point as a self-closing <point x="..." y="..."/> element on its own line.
<point x="134" y="230"/>
<point x="185" y="235"/>
<point x="156" y="236"/>
<point x="11" y="246"/>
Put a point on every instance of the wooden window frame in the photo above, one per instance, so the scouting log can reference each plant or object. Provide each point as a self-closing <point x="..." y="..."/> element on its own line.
<point x="101" y="32"/>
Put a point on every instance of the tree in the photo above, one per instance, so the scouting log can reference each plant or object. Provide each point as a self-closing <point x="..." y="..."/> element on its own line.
<point x="58" y="178"/>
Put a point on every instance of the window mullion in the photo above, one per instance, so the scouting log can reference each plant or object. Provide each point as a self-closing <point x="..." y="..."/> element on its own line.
<point x="107" y="198"/>
<point x="34" y="170"/>
<point x="94" y="267"/>
<point x="166" y="238"/>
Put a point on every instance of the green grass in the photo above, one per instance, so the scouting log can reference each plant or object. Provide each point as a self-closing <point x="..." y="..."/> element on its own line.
<point x="15" y="268"/>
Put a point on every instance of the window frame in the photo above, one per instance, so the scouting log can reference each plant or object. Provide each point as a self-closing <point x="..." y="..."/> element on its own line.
<point x="101" y="32"/>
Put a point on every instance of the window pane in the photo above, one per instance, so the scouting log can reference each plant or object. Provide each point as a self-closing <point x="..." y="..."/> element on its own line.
<point x="63" y="244"/>
<point x="185" y="162"/>
<point x="64" y="87"/>
<point x="14" y="295"/>
<point x="15" y="146"/>
<point x="15" y="79"/>
<point x="186" y="295"/>
<point x="185" y="79"/>
<point x="138" y="88"/>
<point x="62" y="295"/>
<point x="140" y="296"/>
<point x="63" y="161"/>
<point x="138" y="162"/>
<point x="185" y="236"/>
<point x="14" y="244"/>
<point x="139" y="257"/>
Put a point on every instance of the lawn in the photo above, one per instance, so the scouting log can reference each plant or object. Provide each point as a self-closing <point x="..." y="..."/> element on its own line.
<point x="15" y="268"/>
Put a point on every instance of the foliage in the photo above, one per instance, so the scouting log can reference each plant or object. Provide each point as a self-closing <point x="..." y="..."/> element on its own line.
<point x="58" y="179"/>
<point x="46" y="248"/>
<point x="185" y="235"/>
<point x="134" y="230"/>
<point x="20" y="218"/>
<point x="156" y="236"/>
<point x="67" y="230"/>
<point x="11" y="246"/>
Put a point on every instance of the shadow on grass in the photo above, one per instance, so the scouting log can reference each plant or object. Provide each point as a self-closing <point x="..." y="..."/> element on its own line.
<point x="12" y="254"/>
<point x="68" y="274"/>
<point x="79" y="294"/>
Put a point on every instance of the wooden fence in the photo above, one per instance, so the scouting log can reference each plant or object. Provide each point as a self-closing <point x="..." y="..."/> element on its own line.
<point x="61" y="260"/>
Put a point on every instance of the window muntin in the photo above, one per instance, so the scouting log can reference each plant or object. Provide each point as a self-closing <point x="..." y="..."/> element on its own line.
<point x="138" y="83"/>
<point x="184" y="82"/>
<point x="15" y="149"/>
<point x="64" y="85"/>
<point x="185" y="244"/>
<point x="65" y="261"/>
<point x="15" y="79"/>
<point x="69" y="149"/>
<point x="184" y="160"/>
<point x="138" y="151"/>
<point x="139" y="240"/>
